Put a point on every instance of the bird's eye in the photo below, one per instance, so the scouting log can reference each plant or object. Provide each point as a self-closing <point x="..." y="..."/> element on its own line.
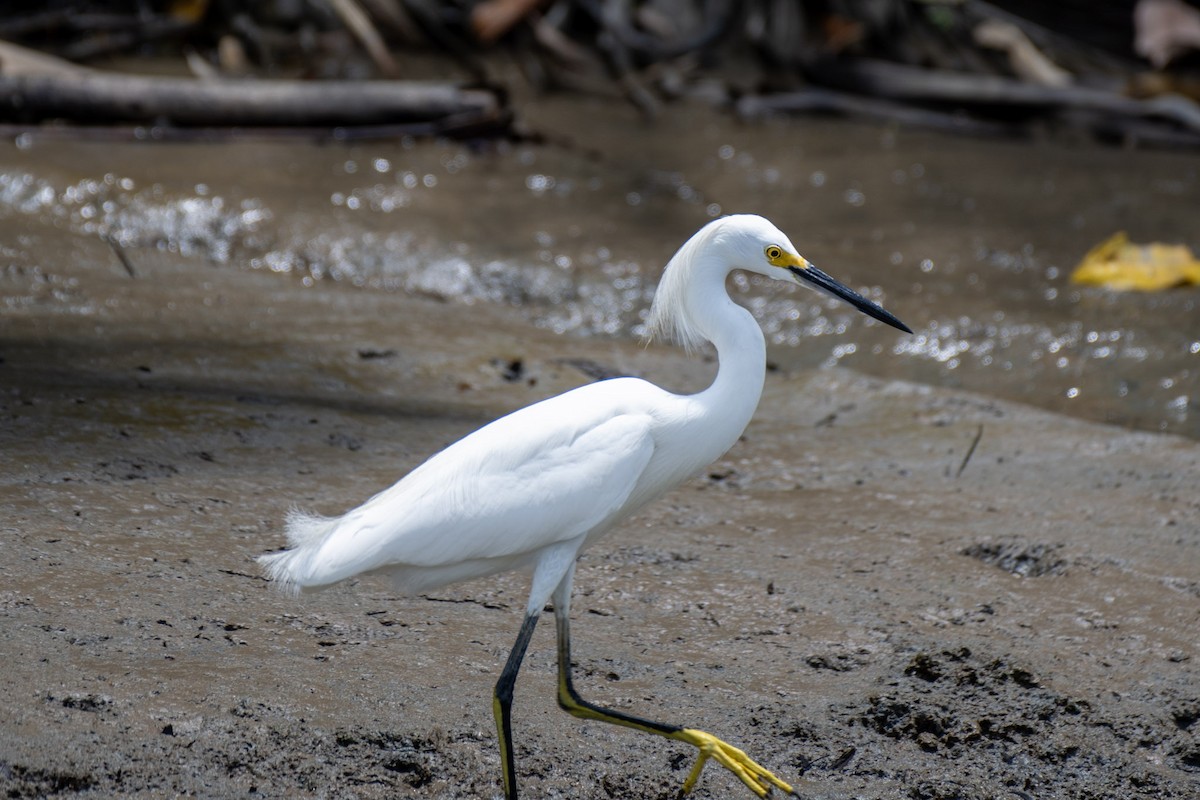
<point x="774" y="253"/>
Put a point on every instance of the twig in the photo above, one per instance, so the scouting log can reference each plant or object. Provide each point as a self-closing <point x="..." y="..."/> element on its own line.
<point x="620" y="61"/>
<point x="970" y="450"/>
<point x="392" y="15"/>
<point x="359" y="23"/>
<point x="121" y="255"/>
<point x="566" y="62"/>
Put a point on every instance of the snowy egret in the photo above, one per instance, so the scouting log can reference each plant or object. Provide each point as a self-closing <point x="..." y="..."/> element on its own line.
<point x="532" y="489"/>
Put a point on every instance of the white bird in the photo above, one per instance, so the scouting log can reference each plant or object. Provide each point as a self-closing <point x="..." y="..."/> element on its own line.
<point x="534" y="488"/>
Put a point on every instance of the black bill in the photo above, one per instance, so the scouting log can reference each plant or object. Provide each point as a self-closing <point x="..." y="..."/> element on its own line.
<point x="820" y="280"/>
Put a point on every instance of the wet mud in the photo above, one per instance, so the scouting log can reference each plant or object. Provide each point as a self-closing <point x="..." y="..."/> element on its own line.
<point x="885" y="590"/>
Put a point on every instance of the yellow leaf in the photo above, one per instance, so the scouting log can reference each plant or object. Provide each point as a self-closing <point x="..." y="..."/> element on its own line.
<point x="1119" y="264"/>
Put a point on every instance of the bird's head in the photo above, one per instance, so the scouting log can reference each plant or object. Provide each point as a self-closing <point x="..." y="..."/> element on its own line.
<point x="755" y="245"/>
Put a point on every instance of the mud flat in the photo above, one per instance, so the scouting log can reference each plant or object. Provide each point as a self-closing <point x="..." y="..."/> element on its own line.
<point x="884" y="591"/>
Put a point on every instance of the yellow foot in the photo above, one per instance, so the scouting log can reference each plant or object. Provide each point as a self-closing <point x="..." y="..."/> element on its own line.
<point x="760" y="781"/>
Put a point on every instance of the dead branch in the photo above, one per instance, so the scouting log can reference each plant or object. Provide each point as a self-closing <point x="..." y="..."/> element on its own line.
<point x="815" y="100"/>
<point x="101" y="97"/>
<point x="914" y="84"/>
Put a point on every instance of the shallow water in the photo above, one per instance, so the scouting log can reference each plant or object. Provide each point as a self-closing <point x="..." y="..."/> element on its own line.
<point x="969" y="241"/>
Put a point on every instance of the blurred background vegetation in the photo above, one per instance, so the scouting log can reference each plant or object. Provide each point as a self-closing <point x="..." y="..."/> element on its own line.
<point x="1125" y="72"/>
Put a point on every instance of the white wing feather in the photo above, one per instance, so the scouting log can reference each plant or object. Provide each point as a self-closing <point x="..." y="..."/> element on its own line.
<point x="542" y="475"/>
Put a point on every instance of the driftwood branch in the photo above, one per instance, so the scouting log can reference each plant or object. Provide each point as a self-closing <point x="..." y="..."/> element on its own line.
<point x="966" y="66"/>
<point x="102" y="97"/>
<point x="902" y="82"/>
<point x="816" y="100"/>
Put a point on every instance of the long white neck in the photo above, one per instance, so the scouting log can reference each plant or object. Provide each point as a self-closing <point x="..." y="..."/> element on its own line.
<point x="729" y="403"/>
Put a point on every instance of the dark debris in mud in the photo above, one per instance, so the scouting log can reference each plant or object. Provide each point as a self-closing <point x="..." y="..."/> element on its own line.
<point x="1026" y="559"/>
<point x="978" y="722"/>
<point x="255" y="752"/>
<point x="19" y="781"/>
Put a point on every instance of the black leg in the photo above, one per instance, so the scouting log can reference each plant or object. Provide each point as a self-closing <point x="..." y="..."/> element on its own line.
<point x="570" y="701"/>
<point x="502" y="704"/>
<point x="757" y="779"/>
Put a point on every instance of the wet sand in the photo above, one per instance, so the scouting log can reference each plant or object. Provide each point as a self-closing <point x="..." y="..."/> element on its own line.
<point x="847" y="595"/>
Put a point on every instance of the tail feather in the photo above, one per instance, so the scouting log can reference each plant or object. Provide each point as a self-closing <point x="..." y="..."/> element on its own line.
<point x="302" y="527"/>
<point x="279" y="568"/>
<point x="305" y="532"/>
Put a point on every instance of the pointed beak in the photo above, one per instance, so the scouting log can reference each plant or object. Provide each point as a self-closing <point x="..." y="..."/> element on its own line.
<point x="807" y="273"/>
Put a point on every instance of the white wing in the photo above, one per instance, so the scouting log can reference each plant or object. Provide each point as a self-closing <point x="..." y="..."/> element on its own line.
<point x="545" y="474"/>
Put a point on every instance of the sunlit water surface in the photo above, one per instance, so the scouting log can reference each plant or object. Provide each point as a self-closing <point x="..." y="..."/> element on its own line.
<point x="969" y="241"/>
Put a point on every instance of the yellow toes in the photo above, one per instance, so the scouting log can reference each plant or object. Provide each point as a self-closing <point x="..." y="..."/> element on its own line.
<point x="758" y="779"/>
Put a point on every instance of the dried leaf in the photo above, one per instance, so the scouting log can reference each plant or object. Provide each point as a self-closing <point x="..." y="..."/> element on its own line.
<point x="1119" y="264"/>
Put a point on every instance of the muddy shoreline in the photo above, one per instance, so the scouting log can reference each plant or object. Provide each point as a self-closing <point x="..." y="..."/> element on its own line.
<point x="848" y="596"/>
